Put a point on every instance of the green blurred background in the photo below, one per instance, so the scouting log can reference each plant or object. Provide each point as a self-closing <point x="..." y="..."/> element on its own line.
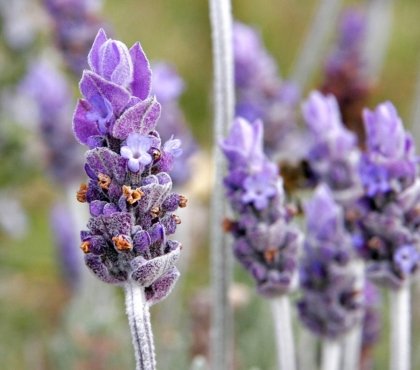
<point x="32" y="293"/>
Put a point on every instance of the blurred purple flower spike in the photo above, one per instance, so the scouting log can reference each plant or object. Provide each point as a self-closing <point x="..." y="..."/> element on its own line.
<point x="330" y="305"/>
<point x="389" y="221"/>
<point x="332" y="154"/>
<point x="390" y="162"/>
<point x="266" y="243"/>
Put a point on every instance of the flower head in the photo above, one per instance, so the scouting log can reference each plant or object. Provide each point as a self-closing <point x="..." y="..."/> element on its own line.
<point x="390" y="163"/>
<point x="332" y="154"/>
<point x="129" y="191"/>
<point x="266" y="242"/>
<point x="331" y="303"/>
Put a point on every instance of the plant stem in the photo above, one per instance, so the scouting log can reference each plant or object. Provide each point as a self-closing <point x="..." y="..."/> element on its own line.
<point x="311" y="52"/>
<point x="378" y="29"/>
<point x="400" y="329"/>
<point x="139" y="322"/>
<point x="284" y="333"/>
<point x="331" y="352"/>
<point x="353" y="339"/>
<point x="221" y="25"/>
<point x="307" y="349"/>
<point x="415" y="112"/>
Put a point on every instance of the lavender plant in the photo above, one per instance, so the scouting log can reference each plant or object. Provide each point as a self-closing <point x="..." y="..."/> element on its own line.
<point x="50" y="92"/>
<point x="389" y="218"/>
<point x="331" y="304"/>
<point x="345" y="70"/>
<point x="332" y="151"/>
<point x="76" y="23"/>
<point x="261" y="94"/>
<point x="266" y="242"/>
<point x="129" y="191"/>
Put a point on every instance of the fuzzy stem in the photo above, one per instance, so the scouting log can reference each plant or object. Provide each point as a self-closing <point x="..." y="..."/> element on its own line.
<point x="284" y="333"/>
<point x="221" y="25"/>
<point x="415" y="113"/>
<point x="307" y="349"/>
<point x="400" y="329"/>
<point x="311" y="52"/>
<point x="141" y="330"/>
<point x="353" y="339"/>
<point x="378" y="29"/>
<point x="331" y="353"/>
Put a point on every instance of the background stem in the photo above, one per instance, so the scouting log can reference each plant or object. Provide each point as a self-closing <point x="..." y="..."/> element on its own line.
<point x="284" y="333"/>
<point x="311" y="53"/>
<point x="221" y="25"/>
<point x="400" y="328"/>
<point x="331" y="353"/>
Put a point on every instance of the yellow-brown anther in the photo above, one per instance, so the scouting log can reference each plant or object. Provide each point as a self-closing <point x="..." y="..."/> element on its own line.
<point x="156" y="154"/>
<point x="81" y="193"/>
<point x="176" y="219"/>
<point x="228" y="225"/>
<point x="104" y="181"/>
<point x="155" y="212"/>
<point x="270" y="255"/>
<point x="121" y="243"/>
<point x="85" y="247"/>
<point x="374" y="243"/>
<point x="132" y="195"/>
<point x="182" y="201"/>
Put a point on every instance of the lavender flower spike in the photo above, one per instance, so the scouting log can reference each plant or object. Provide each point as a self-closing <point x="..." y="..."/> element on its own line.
<point x="266" y="243"/>
<point x="389" y="229"/>
<point x="261" y="94"/>
<point x="330" y="305"/>
<point x="333" y="154"/>
<point x="129" y="194"/>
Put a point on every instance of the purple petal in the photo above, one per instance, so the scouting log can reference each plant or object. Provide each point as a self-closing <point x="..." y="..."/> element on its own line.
<point x="83" y="128"/>
<point x="161" y="288"/>
<point x="93" y="56"/>
<point x="96" y="265"/>
<point x="92" y="84"/>
<point x="149" y="271"/>
<point x="142" y="73"/>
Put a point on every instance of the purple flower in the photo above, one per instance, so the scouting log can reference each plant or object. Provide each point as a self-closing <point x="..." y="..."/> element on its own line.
<point x="332" y="154"/>
<point x="113" y="61"/>
<point x="128" y="192"/>
<point x="260" y="92"/>
<point x="330" y="304"/>
<point x="266" y="242"/>
<point x="244" y="144"/>
<point x="166" y="83"/>
<point x="47" y="87"/>
<point x="75" y="25"/>
<point x="136" y="151"/>
<point x="66" y="243"/>
<point x="116" y="93"/>
<point x="258" y="190"/>
<point x="390" y="163"/>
